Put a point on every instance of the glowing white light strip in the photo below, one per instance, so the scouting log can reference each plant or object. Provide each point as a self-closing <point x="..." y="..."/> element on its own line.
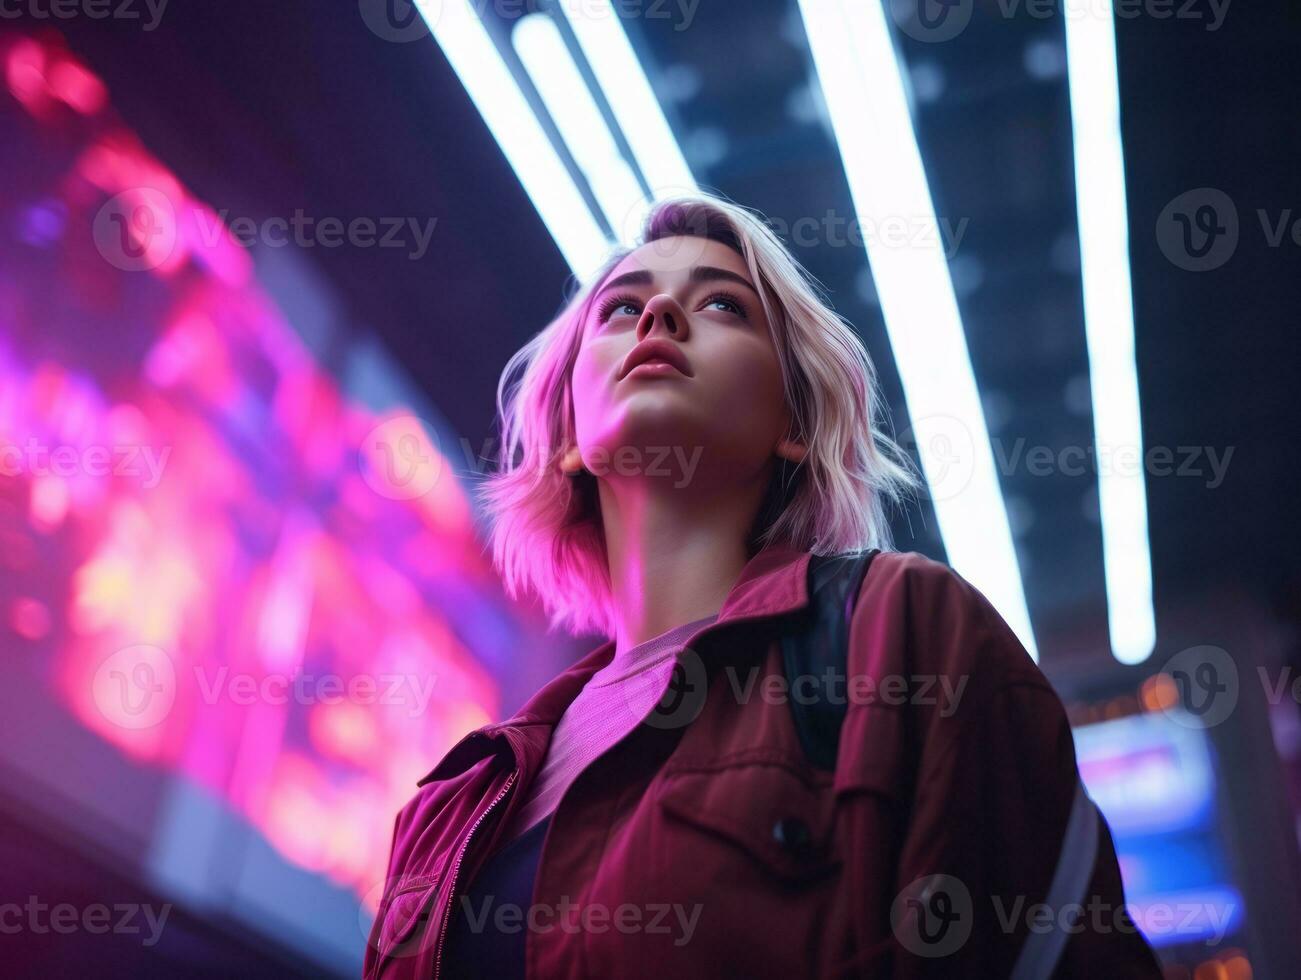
<point x="864" y="91"/>
<point x="605" y="45"/>
<point x="546" y="180"/>
<point x="570" y="102"/>
<point x="1109" y="324"/>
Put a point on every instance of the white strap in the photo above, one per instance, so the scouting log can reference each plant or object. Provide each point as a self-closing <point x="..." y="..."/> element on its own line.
<point x="1042" y="950"/>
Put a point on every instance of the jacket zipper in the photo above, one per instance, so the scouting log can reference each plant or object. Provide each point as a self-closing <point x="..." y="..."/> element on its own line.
<point x="456" y="867"/>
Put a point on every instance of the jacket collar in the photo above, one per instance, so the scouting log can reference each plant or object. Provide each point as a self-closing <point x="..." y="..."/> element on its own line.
<point x="773" y="582"/>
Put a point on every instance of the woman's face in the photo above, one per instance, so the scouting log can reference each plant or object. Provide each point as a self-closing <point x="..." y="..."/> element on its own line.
<point x="677" y="375"/>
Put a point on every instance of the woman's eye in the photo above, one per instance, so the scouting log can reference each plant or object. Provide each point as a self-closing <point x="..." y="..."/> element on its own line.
<point x="618" y="307"/>
<point x="725" y="305"/>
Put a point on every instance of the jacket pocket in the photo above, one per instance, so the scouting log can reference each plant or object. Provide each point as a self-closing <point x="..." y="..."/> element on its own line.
<point x="761" y="803"/>
<point x="402" y="926"/>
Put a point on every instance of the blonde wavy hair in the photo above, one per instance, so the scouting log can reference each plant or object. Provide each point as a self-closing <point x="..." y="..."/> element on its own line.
<point x="546" y="531"/>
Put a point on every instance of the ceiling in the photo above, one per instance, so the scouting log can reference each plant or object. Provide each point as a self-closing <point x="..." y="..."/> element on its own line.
<point x="264" y="108"/>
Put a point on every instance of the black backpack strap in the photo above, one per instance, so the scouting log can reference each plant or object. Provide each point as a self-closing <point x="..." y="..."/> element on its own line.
<point x="816" y="641"/>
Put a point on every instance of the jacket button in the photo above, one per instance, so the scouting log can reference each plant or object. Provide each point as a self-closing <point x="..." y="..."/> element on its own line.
<point x="793" y="834"/>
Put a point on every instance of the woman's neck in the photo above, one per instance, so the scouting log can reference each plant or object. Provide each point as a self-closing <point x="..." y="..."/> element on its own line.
<point x="674" y="557"/>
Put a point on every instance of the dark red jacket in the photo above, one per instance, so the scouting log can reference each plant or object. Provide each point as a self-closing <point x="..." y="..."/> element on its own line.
<point x="705" y="845"/>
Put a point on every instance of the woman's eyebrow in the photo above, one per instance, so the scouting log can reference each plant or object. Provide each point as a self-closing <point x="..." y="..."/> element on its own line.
<point x="708" y="273"/>
<point x="638" y="277"/>
<point x="700" y="273"/>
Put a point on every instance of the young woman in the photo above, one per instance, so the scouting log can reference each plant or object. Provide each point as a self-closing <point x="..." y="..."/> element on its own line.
<point x="678" y="444"/>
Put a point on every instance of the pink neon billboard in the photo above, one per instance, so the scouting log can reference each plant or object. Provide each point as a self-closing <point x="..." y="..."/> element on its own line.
<point x="211" y="555"/>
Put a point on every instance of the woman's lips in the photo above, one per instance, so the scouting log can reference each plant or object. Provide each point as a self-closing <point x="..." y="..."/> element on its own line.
<point x="654" y="368"/>
<point x="655" y="349"/>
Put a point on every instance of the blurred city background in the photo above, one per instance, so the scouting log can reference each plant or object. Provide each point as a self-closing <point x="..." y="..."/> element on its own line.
<point x="261" y="266"/>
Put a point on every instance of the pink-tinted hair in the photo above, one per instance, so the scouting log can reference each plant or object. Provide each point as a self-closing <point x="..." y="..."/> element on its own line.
<point x="545" y="527"/>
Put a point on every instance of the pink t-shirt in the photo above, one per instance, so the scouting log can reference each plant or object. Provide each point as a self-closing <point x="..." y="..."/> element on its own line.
<point x="612" y="703"/>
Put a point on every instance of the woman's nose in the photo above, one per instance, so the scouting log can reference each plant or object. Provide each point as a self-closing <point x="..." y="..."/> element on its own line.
<point x="663" y="315"/>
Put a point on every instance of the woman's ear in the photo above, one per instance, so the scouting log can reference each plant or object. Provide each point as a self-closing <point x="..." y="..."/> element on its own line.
<point x="791" y="450"/>
<point x="571" y="463"/>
